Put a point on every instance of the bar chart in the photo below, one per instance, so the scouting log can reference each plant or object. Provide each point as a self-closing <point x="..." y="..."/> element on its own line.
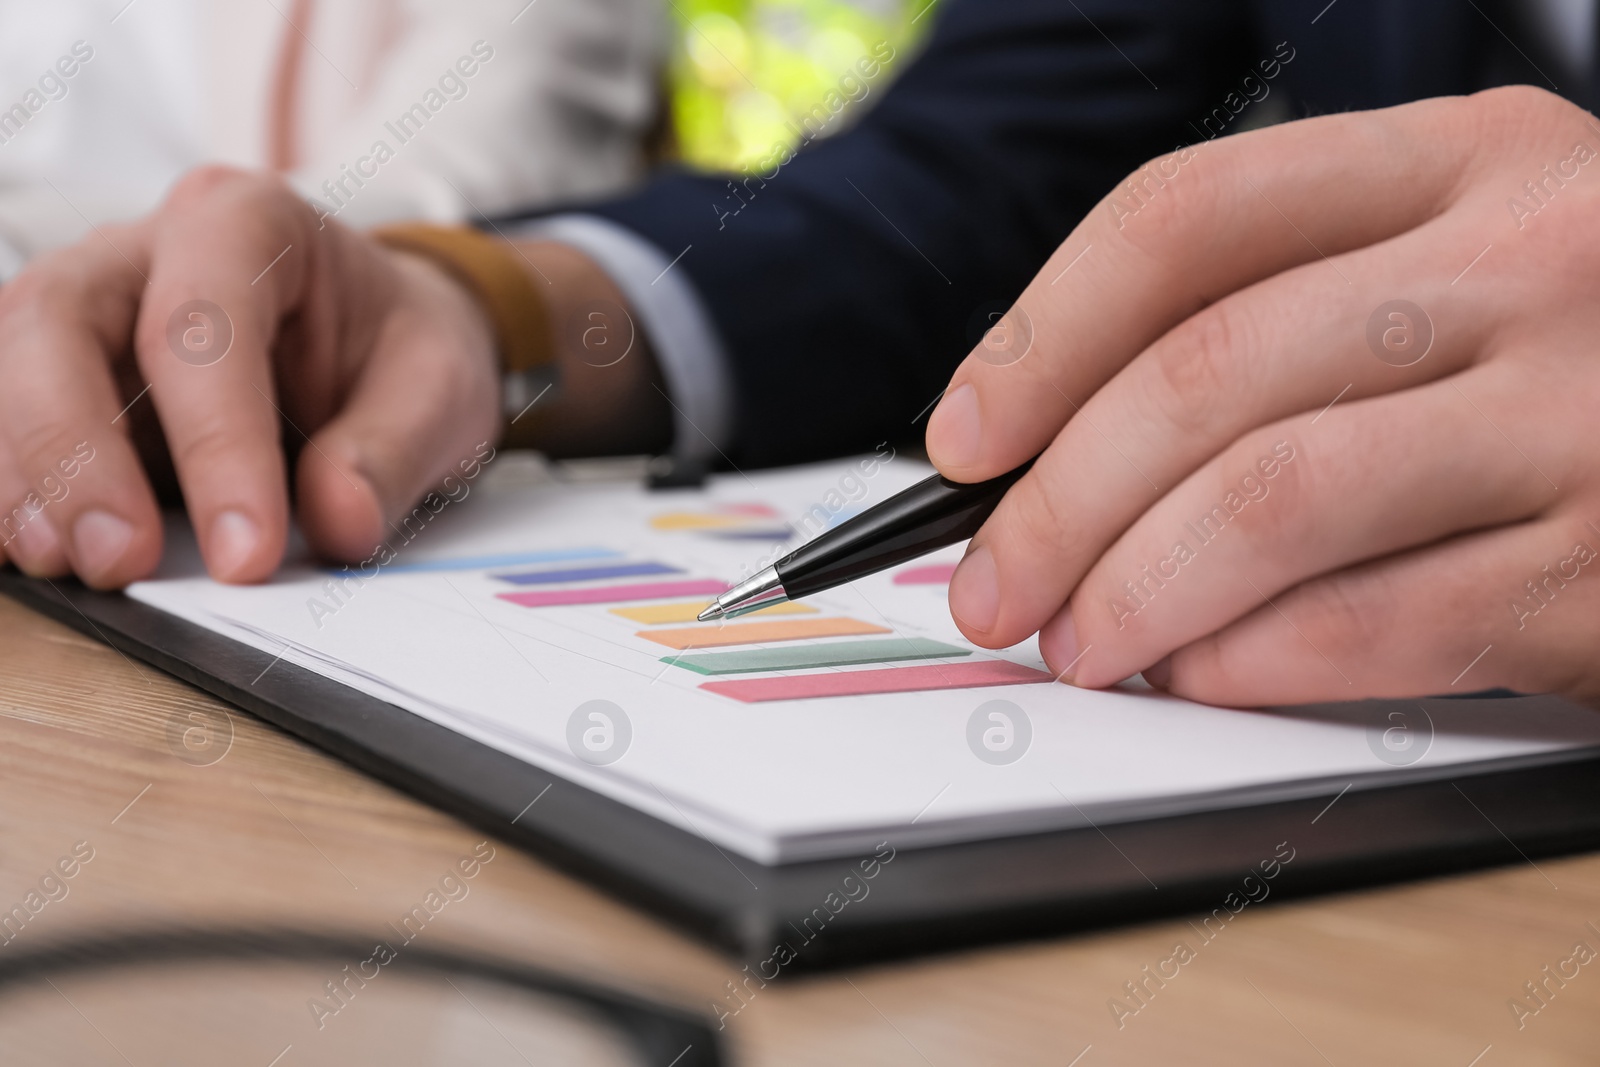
<point x="784" y="652"/>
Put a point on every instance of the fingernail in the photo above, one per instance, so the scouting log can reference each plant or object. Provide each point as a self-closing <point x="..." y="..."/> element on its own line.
<point x="36" y="548"/>
<point x="975" y="591"/>
<point x="1159" y="675"/>
<point x="234" y="537"/>
<point x="99" y="539"/>
<point x="953" y="430"/>
<point x="1059" y="643"/>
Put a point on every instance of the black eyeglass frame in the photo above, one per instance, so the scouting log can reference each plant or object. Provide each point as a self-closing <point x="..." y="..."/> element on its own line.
<point x="662" y="1035"/>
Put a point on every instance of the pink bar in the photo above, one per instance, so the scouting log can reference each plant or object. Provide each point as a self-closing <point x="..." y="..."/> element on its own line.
<point x="892" y="680"/>
<point x="936" y="574"/>
<point x="610" y="594"/>
<point x="761" y="510"/>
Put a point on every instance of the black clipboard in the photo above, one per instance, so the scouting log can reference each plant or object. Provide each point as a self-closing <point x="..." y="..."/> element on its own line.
<point x="786" y="919"/>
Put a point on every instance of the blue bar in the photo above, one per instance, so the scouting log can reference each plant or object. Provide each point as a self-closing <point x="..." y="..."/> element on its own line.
<point x="478" y="563"/>
<point x="782" y="533"/>
<point x="588" y="574"/>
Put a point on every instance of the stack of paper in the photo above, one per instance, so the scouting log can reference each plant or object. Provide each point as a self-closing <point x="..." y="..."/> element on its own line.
<point x="555" y="621"/>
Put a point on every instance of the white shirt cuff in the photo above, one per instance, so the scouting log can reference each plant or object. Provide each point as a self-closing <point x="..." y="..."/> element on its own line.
<point x="682" y="335"/>
<point x="11" y="260"/>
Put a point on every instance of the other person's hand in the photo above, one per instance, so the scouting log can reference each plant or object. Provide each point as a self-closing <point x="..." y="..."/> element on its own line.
<point x="230" y="335"/>
<point x="1316" y="406"/>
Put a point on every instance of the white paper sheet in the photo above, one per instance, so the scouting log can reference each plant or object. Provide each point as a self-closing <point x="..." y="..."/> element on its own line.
<point x="799" y="779"/>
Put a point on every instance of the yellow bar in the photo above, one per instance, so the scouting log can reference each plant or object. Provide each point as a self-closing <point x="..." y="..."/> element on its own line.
<point x="686" y="611"/>
<point x="755" y="633"/>
<point x="696" y="520"/>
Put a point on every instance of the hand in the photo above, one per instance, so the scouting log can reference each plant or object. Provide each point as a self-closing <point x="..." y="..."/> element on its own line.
<point x="1262" y="482"/>
<point x="375" y="368"/>
<point x="373" y="372"/>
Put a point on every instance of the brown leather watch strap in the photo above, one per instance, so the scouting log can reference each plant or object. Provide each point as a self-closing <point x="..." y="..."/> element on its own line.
<point x="496" y="275"/>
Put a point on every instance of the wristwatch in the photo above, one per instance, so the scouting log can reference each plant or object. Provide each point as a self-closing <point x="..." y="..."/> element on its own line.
<point x="499" y="277"/>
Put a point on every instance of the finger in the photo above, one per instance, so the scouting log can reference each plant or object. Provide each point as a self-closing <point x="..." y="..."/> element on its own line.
<point x="36" y="547"/>
<point x="1187" y="231"/>
<point x="204" y="342"/>
<point x="1288" y="503"/>
<point x="1510" y="608"/>
<point x="1292" y="343"/>
<point x="59" y="411"/>
<point x="26" y="535"/>
<point x="414" y="417"/>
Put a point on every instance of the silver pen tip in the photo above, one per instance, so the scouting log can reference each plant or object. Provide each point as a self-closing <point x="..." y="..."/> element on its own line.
<point x="712" y="612"/>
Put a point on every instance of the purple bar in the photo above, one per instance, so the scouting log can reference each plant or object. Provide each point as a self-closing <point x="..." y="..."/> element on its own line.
<point x="588" y="574"/>
<point x="779" y="533"/>
<point x="612" y="594"/>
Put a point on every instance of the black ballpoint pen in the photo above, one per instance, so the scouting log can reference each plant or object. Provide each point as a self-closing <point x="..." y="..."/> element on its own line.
<point x="931" y="514"/>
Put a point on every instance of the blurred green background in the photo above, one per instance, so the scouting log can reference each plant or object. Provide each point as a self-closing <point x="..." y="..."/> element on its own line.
<point x="745" y="72"/>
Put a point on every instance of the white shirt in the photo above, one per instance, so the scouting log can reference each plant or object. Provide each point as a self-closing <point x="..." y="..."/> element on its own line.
<point x="557" y="112"/>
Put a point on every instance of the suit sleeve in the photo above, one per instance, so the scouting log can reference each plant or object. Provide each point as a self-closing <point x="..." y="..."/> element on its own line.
<point x="848" y="285"/>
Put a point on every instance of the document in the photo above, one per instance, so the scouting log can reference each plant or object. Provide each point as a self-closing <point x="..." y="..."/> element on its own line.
<point x="552" y="616"/>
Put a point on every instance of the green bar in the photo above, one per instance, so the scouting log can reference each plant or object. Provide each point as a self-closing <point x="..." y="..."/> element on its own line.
<point x="840" y="654"/>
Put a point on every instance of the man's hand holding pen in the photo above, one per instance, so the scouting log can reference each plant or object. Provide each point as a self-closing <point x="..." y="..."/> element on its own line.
<point x="1312" y="421"/>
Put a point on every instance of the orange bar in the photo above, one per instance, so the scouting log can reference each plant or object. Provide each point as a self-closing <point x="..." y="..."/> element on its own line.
<point x="693" y="520"/>
<point x="756" y="633"/>
<point x="687" y="610"/>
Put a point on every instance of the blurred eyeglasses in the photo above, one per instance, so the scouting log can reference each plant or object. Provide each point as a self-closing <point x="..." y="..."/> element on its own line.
<point x="288" y="999"/>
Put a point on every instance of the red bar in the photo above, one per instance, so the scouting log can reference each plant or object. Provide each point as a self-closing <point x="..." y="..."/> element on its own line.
<point x="968" y="675"/>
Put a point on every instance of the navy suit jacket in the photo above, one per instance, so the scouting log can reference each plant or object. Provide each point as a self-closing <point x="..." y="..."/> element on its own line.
<point x="851" y="282"/>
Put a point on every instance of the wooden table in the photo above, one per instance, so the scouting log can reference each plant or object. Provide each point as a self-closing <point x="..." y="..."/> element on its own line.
<point x="277" y="833"/>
